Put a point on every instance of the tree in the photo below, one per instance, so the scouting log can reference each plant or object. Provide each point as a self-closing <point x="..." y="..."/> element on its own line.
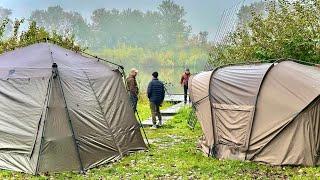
<point x="32" y="35"/>
<point x="111" y="28"/>
<point x="55" y="19"/>
<point x="107" y="27"/>
<point x="247" y="12"/>
<point x="132" y="27"/>
<point x="203" y="37"/>
<point x="173" y="25"/>
<point x="5" y="17"/>
<point x="199" y="40"/>
<point x="291" y="29"/>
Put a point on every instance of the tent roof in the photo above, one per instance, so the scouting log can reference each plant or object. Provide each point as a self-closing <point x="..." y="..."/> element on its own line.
<point x="42" y="55"/>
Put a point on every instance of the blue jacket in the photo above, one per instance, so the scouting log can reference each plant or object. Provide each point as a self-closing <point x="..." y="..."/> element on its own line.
<point x="156" y="91"/>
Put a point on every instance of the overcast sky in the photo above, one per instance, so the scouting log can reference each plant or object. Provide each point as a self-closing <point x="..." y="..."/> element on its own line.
<point x="202" y="15"/>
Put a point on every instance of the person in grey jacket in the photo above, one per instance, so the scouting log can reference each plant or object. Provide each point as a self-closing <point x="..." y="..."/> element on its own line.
<point x="156" y="93"/>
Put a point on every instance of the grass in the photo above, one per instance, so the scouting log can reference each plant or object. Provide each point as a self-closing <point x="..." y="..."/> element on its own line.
<point x="144" y="107"/>
<point x="173" y="155"/>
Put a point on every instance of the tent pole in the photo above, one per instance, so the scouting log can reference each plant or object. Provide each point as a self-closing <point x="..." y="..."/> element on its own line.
<point x="123" y="76"/>
<point x="55" y="69"/>
<point x="144" y="132"/>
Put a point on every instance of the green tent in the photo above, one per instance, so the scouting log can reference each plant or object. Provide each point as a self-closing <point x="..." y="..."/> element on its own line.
<point x="62" y="111"/>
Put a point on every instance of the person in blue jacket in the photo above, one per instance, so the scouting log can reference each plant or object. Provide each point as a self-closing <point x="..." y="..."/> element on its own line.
<point x="156" y="93"/>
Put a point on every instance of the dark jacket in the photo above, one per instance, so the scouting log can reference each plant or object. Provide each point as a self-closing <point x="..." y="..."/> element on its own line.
<point x="156" y="91"/>
<point x="132" y="86"/>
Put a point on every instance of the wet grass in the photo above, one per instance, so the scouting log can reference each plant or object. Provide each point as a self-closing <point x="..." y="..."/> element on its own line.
<point x="173" y="155"/>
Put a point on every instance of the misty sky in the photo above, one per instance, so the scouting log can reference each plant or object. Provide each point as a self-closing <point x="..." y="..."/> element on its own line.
<point x="202" y="15"/>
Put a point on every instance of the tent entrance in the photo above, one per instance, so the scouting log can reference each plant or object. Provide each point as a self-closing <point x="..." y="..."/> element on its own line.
<point x="58" y="140"/>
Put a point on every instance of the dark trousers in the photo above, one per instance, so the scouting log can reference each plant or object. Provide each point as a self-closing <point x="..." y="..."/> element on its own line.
<point x="134" y="101"/>
<point x="185" y="88"/>
<point x="155" y="111"/>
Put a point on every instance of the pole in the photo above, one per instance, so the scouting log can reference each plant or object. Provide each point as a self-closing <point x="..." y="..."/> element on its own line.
<point x="144" y="132"/>
<point x="166" y="89"/>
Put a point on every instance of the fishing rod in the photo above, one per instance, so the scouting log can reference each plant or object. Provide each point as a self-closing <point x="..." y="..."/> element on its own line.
<point x="166" y="84"/>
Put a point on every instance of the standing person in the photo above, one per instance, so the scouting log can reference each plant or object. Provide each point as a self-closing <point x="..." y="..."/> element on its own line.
<point x="132" y="87"/>
<point x="184" y="82"/>
<point x="156" y="96"/>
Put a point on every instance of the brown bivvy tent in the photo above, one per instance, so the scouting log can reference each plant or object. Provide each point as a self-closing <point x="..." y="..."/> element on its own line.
<point x="268" y="112"/>
<point x="61" y="111"/>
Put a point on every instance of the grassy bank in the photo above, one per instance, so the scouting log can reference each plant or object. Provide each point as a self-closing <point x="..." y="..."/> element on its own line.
<point x="173" y="155"/>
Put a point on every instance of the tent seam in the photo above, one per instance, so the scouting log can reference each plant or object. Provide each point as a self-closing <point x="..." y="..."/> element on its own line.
<point x="212" y="119"/>
<point x="255" y="108"/>
<point x="55" y="70"/>
<point x="211" y="107"/>
<point x="39" y="123"/>
<point x="70" y="123"/>
<point x="55" y="67"/>
<point x="44" y="122"/>
<point x="101" y="110"/>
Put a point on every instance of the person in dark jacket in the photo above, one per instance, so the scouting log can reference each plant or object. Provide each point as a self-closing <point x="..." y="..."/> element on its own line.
<point x="184" y="82"/>
<point x="132" y="88"/>
<point x="156" y="94"/>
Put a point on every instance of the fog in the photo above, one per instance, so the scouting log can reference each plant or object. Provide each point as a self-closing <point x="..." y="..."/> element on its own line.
<point x="162" y="35"/>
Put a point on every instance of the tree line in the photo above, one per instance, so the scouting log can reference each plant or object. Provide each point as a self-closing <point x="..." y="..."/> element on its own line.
<point x="164" y="28"/>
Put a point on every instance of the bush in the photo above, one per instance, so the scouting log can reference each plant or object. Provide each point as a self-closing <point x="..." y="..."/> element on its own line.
<point x="31" y="36"/>
<point x="290" y="29"/>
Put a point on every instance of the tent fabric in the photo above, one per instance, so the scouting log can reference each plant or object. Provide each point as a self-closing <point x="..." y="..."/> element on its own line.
<point x="233" y="93"/>
<point x="299" y="140"/>
<point x="295" y="86"/>
<point x="57" y="140"/>
<point x="198" y="94"/>
<point x="19" y="93"/>
<point x="73" y="117"/>
<point x="258" y="109"/>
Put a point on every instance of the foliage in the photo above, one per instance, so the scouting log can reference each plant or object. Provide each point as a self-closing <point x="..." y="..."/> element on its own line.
<point x="134" y="56"/>
<point x="290" y="29"/>
<point x="55" y="19"/>
<point x="109" y="28"/>
<point x="129" y="37"/>
<point x="172" y="26"/>
<point x="152" y="29"/>
<point x="245" y="14"/>
<point x="4" y="16"/>
<point x="173" y="155"/>
<point x="31" y="35"/>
